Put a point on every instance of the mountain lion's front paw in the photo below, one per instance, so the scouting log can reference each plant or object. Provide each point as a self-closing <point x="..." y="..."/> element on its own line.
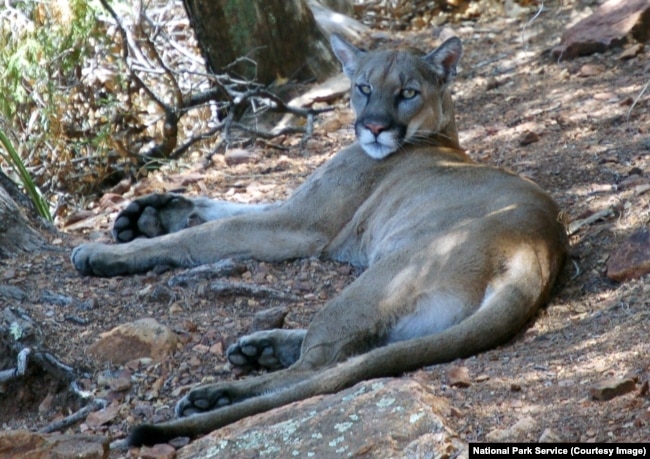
<point x="81" y="257"/>
<point x="152" y="216"/>
<point x="98" y="260"/>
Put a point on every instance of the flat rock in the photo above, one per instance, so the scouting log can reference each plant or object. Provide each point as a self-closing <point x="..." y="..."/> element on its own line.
<point x="518" y="431"/>
<point x="631" y="259"/>
<point x="607" y="27"/>
<point x="22" y="443"/>
<point x="162" y="451"/>
<point x="269" y="319"/>
<point x="12" y="292"/>
<point x="384" y="418"/>
<point x="609" y="388"/>
<point x="135" y="340"/>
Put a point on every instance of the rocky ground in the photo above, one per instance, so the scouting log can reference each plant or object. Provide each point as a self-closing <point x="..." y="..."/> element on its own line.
<point x="579" y="128"/>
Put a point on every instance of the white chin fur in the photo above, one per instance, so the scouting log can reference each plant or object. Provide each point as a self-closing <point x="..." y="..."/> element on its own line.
<point x="380" y="147"/>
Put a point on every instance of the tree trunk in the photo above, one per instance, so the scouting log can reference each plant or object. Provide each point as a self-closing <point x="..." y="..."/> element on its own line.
<point x="279" y="36"/>
<point x="17" y="233"/>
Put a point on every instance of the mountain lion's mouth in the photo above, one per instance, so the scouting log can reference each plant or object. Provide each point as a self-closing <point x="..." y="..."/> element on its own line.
<point x="381" y="145"/>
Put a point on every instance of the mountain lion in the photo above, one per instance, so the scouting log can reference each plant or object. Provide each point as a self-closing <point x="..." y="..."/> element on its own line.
<point x="458" y="256"/>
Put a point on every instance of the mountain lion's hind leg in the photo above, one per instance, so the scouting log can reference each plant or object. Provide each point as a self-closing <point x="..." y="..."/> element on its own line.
<point x="162" y="213"/>
<point x="210" y="397"/>
<point x="270" y="349"/>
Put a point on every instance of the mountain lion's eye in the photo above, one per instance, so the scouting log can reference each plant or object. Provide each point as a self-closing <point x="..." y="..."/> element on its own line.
<point x="408" y="93"/>
<point x="364" y="89"/>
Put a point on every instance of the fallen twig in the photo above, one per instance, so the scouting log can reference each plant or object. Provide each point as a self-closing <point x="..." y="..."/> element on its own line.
<point x="20" y="334"/>
<point x="244" y="289"/>
<point x="636" y="100"/>
<point x="21" y="366"/>
<point x="576" y="225"/>
<point x="227" y="267"/>
<point x="77" y="416"/>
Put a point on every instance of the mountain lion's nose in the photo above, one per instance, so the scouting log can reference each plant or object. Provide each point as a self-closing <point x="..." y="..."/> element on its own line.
<point x="375" y="128"/>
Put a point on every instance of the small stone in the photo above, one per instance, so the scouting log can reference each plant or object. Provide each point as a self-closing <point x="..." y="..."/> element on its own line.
<point x="161" y="451"/>
<point x="610" y="388"/>
<point x="201" y="349"/>
<point x="331" y="125"/>
<point x="548" y="436"/>
<point x="631" y="259"/>
<point x="142" y="338"/>
<point x="12" y="292"/>
<point x="497" y="435"/>
<point x="110" y="199"/>
<point x="455" y="412"/>
<point x="120" y="382"/>
<point x="103" y="416"/>
<point x="46" y="404"/>
<point x="269" y="318"/>
<point x="642" y="189"/>
<point x="632" y="181"/>
<point x="491" y="83"/>
<point x="217" y="348"/>
<point x="459" y="377"/>
<point x="77" y="217"/>
<point x="523" y="426"/>
<point x="590" y="70"/>
<point x="632" y="51"/>
<point x="520" y="428"/>
<point x="175" y="309"/>
<point x="528" y="138"/>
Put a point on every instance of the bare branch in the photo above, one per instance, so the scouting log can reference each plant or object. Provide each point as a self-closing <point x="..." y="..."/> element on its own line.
<point x="235" y="95"/>
<point x="636" y="100"/>
<point x="244" y="289"/>
<point x="19" y="371"/>
<point x="77" y="416"/>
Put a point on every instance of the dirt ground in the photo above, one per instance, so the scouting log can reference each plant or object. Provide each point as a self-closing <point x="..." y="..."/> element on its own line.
<point x="590" y="149"/>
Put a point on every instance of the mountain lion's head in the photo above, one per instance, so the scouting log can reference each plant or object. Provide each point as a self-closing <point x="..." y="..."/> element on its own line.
<point x="400" y="96"/>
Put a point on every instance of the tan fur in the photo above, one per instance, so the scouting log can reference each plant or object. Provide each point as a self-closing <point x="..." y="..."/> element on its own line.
<point x="458" y="256"/>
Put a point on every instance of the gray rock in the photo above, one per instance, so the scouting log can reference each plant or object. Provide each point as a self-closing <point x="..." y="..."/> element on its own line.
<point x="631" y="259"/>
<point x="12" y="292"/>
<point x="384" y="418"/>
<point x="22" y="443"/>
<point x="608" y="26"/>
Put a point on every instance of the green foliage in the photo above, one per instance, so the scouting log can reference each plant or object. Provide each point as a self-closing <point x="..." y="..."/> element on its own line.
<point x="11" y="156"/>
<point x="41" y="48"/>
<point x="49" y="93"/>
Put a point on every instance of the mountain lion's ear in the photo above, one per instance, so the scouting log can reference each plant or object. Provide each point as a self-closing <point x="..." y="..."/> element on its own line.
<point x="445" y="58"/>
<point x="347" y="53"/>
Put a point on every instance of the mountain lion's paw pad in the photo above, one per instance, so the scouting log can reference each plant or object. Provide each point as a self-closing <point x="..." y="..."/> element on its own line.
<point x="201" y="400"/>
<point x="249" y="352"/>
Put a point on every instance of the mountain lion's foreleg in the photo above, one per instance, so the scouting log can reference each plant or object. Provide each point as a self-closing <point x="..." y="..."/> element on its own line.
<point x="163" y="213"/>
<point x="267" y="236"/>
